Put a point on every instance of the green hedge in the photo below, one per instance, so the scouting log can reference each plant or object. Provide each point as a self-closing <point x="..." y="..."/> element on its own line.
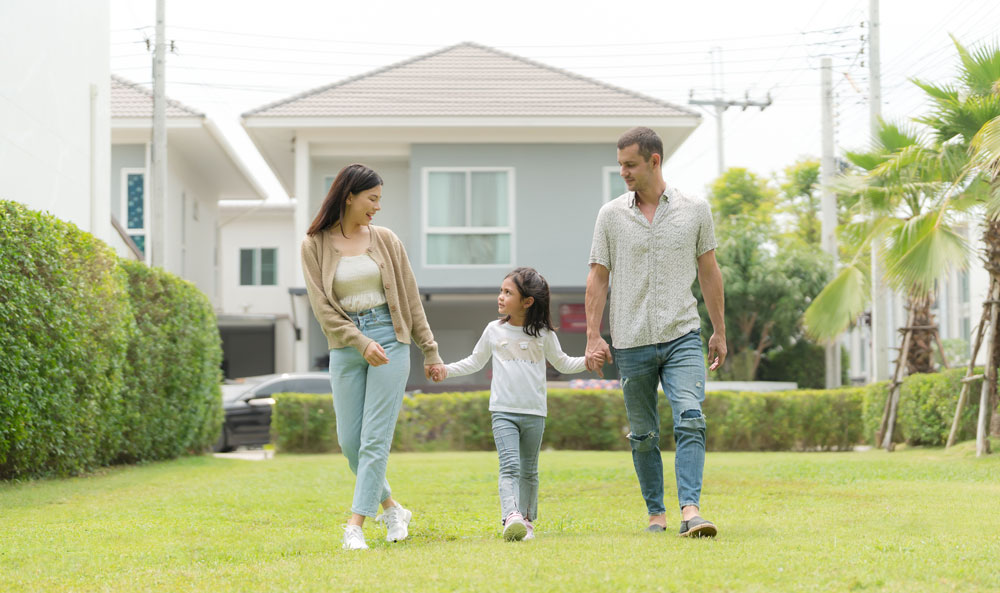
<point x="100" y="364"/>
<point x="594" y="420"/>
<point x="806" y="419"/>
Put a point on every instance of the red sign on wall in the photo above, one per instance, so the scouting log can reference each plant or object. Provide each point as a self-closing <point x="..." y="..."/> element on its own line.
<point x="573" y="318"/>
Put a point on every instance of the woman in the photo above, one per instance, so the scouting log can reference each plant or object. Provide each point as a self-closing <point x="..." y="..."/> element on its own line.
<point x="365" y="298"/>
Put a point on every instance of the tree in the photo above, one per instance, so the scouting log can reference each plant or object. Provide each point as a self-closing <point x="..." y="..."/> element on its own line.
<point x="800" y="200"/>
<point x="769" y="280"/>
<point x="965" y="120"/>
<point x="901" y="207"/>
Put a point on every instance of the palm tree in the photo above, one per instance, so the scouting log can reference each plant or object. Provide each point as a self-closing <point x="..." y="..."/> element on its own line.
<point x="966" y="117"/>
<point x="902" y="207"/>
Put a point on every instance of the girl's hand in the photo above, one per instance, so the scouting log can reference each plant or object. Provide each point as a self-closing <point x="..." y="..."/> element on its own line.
<point x="375" y="355"/>
<point x="435" y="372"/>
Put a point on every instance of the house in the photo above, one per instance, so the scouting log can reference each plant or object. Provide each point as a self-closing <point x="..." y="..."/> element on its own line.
<point x="490" y="161"/>
<point x="202" y="170"/>
<point x="54" y="109"/>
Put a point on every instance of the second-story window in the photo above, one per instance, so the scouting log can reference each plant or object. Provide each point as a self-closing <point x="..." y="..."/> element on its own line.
<point x="259" y="266"/>
<point x="468" y="216"/>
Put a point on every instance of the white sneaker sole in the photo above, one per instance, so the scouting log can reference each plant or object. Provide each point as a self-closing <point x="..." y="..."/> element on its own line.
<point x="515" y="532"/>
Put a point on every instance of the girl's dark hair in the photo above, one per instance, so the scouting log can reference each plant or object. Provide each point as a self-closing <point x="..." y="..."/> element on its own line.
<point x="352" y="179"/>
<point x="531" y="284"/>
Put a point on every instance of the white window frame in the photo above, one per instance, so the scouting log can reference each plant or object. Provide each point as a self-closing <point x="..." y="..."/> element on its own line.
<point x="256" y="271"/>
<point x="606" y="183"/>
<point x="123" y="190"/>
<point x="426" y="229"/>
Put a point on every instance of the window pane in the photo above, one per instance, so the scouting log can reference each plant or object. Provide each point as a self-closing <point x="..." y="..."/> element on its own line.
<point x="246" y="266"/>
<point x="616" y="185"/>
<point x="136" y="202"/>
<point x="489" y="198"/>
<point x="269" y="267"/>
<point x="468" y="249"/>
<point x="140" y="242"/>
<point x="446" y="199"/>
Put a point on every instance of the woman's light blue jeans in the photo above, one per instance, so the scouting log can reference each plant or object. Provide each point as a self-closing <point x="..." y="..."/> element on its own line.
<point x="519" y="439"/>
<point x="680" y="366"/>
<point x="366" y="400"/>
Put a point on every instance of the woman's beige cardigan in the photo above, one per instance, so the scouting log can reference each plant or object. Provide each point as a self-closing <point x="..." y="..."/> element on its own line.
<point x="319" y="264"/>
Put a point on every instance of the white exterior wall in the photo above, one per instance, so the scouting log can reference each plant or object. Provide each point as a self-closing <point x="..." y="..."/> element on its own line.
<point x="54" y="109"/>
<point x="261" y="228"/>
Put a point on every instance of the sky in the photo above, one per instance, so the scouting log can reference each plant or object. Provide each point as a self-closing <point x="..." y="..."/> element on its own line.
<point x="228" y="58"/>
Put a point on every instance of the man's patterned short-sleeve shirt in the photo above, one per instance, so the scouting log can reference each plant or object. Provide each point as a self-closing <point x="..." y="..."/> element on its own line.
<point x="652" y="265"/>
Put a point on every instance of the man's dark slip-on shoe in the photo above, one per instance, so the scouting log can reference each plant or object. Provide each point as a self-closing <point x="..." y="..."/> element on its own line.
<point x="697" y="527"/>
<point x="654" y="528"/>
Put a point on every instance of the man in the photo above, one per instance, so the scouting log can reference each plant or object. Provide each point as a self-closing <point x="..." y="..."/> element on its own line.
<point x="650" y="244"/>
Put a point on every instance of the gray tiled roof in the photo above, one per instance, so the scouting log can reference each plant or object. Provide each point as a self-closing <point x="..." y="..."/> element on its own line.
<point x="129" y="99"/>
<point x="469" y="79"/>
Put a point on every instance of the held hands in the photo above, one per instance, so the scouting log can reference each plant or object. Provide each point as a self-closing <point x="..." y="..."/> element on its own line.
<point x="598" y="353"/>
<point x="435" y="372"/>
<point x="375" y="355"/>
<point x="717" y="351"/>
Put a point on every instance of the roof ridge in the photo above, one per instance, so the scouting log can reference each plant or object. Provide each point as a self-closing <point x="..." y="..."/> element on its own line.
<point x="570" y="74"/>
<point x="326" y="87"/>
<point x="479" y="46"/>
<point x="170" y="102"/>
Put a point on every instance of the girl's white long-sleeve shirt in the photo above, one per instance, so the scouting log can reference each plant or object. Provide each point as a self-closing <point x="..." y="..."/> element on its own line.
<point x="518" y="366"/>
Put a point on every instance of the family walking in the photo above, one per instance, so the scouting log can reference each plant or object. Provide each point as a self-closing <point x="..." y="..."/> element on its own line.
<point x="649" y="246"/>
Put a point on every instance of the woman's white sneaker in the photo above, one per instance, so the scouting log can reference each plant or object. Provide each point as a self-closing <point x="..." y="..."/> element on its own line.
<point x="354" y="538"/>
<point x="397" y="521"/>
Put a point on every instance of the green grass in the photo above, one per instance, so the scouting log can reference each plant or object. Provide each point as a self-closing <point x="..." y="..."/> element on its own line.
<point x="915" y="520"/>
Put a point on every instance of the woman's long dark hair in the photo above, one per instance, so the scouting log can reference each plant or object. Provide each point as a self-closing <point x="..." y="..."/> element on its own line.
<point x="531" y="284"/>
<point x="352" y="179"/>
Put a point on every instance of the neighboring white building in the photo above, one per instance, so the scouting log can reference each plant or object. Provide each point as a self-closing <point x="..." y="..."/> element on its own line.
<point x="257" y="263"/>
<point x="524" y="154"/>
<point x="202" y="170"/>
<point x="54" y="109"/>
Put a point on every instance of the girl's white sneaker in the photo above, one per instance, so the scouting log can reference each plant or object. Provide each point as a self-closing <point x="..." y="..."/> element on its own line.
<point x="531" y="530"/>
<point x="514" y="528"/>
<point x="354" y="538"/>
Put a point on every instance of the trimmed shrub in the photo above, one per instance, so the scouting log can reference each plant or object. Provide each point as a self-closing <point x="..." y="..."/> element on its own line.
<point x="172" y="368"/>
<point x="594" y="420"/>
<point x="103" y="361"/>
<point x="927" y="407"/>
<point x="64" y="327"/>
<point x="304" y="423"/>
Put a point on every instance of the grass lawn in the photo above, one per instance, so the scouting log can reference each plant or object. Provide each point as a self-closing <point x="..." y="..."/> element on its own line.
<point x="913" y="521"/>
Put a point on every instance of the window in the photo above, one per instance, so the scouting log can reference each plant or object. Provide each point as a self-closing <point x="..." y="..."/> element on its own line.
<point x="134" y="206"/>
<point x="259" y="267"/>
<point x="614" y="185"/>
<point x="468" y="216"/>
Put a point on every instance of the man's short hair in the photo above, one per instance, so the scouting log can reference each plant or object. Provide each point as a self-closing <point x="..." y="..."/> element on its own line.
<point x="649" y="143"/>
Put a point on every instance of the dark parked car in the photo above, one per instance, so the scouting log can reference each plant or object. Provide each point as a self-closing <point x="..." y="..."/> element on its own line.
<point x="248" y="403"/>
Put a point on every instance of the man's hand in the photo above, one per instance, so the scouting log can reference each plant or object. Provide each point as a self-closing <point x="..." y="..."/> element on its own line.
<point x="597" y="354"/>
<point x="717" y="350"/>
<point x="375" y="355"/>
<point x="433" y="371"/>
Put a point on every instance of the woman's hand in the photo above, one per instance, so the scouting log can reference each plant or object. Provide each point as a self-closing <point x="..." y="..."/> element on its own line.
<point x="375" y="355"/>
<point x="435" y="372"/>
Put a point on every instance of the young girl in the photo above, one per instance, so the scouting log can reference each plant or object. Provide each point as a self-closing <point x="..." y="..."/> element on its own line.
<point x="520" y="342"/>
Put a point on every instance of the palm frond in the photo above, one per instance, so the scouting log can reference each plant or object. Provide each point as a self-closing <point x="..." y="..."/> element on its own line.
<point x="986" y="148"/>
<point x="921" y="251"/>
<point x="838" y="304"/>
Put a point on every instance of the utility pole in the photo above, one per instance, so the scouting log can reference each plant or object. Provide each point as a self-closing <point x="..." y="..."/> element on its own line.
<point x="158" y="157"/>
<point x="881" y="334"/>
<point x="720" y="104"/>
<point x="828" y="236"/>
